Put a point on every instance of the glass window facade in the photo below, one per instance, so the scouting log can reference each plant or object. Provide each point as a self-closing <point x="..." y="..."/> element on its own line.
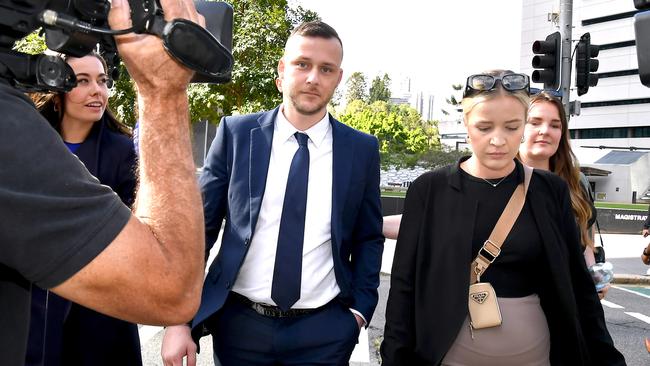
<point x="641" y="131"/>
<point x="601" y="133"/>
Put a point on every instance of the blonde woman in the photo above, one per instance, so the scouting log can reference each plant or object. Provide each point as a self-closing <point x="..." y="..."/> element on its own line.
<point x="540" y="277"/>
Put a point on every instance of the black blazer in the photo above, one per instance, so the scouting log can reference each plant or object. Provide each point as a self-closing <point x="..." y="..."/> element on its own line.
<point x="427" y="303"/>
<point x="111" y="158"/>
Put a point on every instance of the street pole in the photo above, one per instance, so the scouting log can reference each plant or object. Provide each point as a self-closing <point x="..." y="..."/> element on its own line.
<point x="566" y="16"/>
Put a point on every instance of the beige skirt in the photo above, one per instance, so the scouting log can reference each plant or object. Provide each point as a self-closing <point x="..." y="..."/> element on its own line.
<point x="521" y="339"/>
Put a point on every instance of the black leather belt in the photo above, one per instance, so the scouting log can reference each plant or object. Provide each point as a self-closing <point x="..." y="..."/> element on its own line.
<point x="270" y="310"/>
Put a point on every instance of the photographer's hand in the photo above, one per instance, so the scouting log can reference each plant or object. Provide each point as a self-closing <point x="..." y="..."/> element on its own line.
<point x="153" y="70"/>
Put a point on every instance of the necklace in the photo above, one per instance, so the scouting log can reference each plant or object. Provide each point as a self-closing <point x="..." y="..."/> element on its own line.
<point x="495" y="184"/>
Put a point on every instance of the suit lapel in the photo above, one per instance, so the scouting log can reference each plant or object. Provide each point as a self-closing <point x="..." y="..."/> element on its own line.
<point x="261" y="139"/>
<point x="342" y="152"/>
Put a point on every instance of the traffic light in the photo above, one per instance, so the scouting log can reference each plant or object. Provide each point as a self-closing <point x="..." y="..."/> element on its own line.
<point x="548" y="61"/>
<point x="586" y="63"/>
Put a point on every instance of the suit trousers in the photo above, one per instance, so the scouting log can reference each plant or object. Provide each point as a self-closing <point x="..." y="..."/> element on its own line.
<point x="242" y="337"/>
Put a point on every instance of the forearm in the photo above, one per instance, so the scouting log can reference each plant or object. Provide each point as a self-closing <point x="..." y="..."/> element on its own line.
<point x="168" y="199"/>
<point x="391" y="226"/>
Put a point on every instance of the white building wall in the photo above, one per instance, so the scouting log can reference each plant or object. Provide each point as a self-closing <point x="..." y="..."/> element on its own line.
<point x="616" y="186"/>
<point x="640" y="175"/>
<point x="452" y="133"/>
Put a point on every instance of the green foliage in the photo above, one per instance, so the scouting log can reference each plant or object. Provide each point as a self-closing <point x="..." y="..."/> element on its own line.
<point x="33" y="44"/>
<point x="300" y="15"/>
<point x="380" y="89"/>
<point x="437" y="158"/>
<point x="123" y="99"/>
<point x="356" y="87"/>
<point x="401" y="132"/>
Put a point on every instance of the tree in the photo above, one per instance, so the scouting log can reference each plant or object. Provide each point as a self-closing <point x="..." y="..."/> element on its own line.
<point x="403" y="135"/>
<point x="356" y="87"/>
<point x="436" y="158"/>
<point x="452" y="100"/>
<point x="300" y="15"/>
<point x="123" y="99"/>
<point x="33" y="44"/>
<point x="380" y="89"/>
<point x="335" y="101"/>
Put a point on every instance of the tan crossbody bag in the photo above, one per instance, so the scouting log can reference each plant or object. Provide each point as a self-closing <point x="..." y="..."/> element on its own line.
<point x="483" y="306"/>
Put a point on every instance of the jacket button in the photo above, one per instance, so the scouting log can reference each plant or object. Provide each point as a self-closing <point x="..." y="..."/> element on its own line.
<point x="246" y="242"/>
<point x="228" y="285"/>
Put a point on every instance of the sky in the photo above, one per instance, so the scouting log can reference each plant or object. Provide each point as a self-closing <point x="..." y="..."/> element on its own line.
<point x="436" y="43"/>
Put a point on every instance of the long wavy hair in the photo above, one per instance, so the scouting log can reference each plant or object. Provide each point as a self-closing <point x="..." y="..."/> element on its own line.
<point x="52" y="106"/>
<point x="565" y="164"/>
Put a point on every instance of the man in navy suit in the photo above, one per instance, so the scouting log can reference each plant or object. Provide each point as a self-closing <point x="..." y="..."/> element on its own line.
<point x="297" y="272"/>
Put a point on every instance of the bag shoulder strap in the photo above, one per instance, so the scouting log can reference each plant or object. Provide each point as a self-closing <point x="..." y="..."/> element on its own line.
<point x="492" y="247"/>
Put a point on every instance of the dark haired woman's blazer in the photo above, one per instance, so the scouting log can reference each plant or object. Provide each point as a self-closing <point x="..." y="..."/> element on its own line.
<point x="427" y="303"/>
<point x="77" y="335"/>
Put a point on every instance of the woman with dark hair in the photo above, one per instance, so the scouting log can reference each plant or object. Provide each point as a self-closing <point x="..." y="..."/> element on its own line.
<point x="546" y="146"/>
<point x="62" y="332"/>
<point x="536" y="304"/>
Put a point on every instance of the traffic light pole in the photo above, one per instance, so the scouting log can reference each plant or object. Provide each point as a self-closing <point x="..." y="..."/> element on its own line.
<point x="566" y="19"/>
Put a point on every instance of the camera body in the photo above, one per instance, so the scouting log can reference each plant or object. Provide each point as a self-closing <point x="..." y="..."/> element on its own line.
<point x="77" y="27"/>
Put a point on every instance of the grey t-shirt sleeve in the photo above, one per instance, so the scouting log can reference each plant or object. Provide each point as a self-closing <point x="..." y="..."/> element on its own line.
<point x="55" y="217"/>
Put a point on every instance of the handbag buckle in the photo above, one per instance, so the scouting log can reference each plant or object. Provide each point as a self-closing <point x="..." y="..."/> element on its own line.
<point x="489" y="251"/>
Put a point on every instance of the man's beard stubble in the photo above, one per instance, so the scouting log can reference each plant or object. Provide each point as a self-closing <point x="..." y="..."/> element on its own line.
<point x="308" y="111"/>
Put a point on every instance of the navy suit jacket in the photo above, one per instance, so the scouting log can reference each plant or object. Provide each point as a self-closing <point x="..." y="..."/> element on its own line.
<point x="233" y="182"/>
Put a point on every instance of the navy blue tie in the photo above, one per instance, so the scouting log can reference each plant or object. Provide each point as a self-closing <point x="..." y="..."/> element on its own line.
<point x="288" y="258"/>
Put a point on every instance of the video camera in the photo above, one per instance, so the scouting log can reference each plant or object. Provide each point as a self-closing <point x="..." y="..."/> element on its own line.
<point x="642" y="36"/>
<point x="77" y="27"/>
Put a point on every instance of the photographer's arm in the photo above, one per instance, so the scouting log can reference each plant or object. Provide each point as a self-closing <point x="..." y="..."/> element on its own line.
<point x="152" y="272"/>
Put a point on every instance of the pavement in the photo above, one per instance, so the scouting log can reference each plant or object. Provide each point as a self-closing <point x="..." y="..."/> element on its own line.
<point x="621" y="246"/>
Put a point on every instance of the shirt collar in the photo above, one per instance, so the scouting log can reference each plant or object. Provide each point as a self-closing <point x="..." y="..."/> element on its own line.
<point x="284" y="129"/>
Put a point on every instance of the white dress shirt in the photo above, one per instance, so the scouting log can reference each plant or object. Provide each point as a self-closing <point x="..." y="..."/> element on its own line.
<point x="318" y="283"/>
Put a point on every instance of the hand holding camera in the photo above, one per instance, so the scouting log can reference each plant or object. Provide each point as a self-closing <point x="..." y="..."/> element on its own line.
<point x="143" y="53"/>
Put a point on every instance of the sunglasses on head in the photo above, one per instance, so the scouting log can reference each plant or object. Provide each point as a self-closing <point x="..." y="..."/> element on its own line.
<point x="484" y="82"/>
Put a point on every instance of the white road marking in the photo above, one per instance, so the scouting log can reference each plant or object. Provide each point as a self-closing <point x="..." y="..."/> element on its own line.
<point x="639" y="316"/>
<point x="611" y="304"/>
<point x="632" y="292"/>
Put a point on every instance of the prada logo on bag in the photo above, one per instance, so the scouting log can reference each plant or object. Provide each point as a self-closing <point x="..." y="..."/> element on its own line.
<point x="479" y="297"/>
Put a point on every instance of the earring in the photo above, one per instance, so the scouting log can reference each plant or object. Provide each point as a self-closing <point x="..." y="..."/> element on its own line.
<point x="523" y="139"/>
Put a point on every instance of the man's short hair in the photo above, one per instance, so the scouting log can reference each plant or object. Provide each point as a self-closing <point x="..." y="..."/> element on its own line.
<point x="316" y="28"/>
